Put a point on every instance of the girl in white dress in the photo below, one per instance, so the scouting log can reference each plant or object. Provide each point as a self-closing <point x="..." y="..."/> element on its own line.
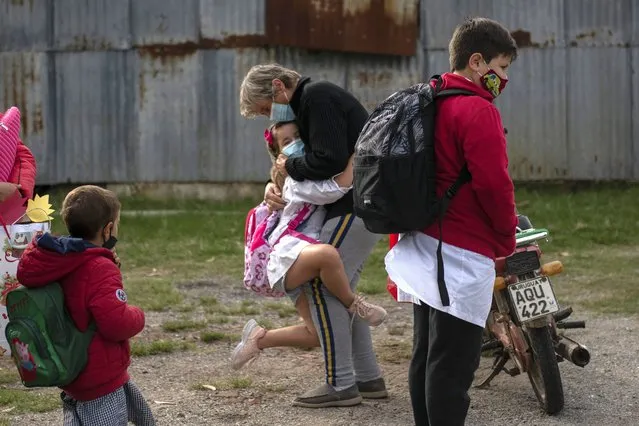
<point x="295" y="261"/>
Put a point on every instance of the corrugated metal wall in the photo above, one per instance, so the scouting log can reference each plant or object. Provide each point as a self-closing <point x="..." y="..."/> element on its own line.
<point x="147" y="90"/>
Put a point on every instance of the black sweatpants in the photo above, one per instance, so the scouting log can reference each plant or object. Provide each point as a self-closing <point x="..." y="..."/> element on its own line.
<point x="446" y="353"/>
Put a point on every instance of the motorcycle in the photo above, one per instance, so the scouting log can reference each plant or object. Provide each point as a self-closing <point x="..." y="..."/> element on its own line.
<point x="522" y="330"/>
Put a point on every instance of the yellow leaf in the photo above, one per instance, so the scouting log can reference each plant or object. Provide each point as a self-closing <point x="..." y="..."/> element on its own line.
<point x="39" y="209"/>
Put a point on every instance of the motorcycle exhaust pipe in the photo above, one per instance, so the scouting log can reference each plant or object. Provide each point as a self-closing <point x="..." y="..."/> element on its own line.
<point x="572" y="351"/>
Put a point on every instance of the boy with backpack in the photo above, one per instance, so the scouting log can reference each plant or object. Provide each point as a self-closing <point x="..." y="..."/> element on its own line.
<point x="88" y="355"/>
<point x="453" y="200"/>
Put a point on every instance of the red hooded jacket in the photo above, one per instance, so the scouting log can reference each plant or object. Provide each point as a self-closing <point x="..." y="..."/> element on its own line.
<point x="24" y="171"/>
<point x="92" y="286"/>
<point x="468" y="130"/>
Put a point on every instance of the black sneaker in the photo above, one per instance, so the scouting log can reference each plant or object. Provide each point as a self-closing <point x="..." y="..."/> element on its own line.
<point x="373" y="389"/>
<point x="325" y="396"/>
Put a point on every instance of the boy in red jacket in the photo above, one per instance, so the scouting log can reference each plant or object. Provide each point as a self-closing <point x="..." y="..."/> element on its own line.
<point x="85" y="266"/>
<point x="479" y="225"/>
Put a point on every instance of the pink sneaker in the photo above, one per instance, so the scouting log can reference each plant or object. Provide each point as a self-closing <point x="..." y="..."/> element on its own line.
<point x="369" y="312"/>
<point x="247" y="349"/>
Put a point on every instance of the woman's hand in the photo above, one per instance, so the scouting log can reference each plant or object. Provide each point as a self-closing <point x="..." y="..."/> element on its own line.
<point x="7" y="189"/>
<point x="273" y="197"/>
<point x="345" y="179"/>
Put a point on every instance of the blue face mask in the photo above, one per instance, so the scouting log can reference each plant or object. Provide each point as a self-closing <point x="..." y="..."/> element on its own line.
<point x="294" y="149"/>
<point x="281" y="112"/>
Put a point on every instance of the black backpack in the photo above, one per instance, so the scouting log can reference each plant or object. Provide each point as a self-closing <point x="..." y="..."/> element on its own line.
<point x="394" y="186"/>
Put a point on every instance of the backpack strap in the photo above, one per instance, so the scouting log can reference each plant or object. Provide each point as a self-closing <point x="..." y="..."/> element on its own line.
<point x="453" y="92"/>
<point x="464" y="177"/>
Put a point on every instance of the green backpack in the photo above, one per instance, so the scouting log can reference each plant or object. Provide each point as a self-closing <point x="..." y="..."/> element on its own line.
<point x="47" y="347"/>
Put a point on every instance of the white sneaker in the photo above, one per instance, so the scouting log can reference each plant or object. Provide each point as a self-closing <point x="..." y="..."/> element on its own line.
<point x="247" y="349"/>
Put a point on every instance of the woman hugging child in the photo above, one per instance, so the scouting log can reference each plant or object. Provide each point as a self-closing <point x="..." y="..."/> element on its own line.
<point x="297" y="258"/>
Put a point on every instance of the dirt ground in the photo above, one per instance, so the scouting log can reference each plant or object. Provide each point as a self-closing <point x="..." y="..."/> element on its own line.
<point x="605" y="392"/>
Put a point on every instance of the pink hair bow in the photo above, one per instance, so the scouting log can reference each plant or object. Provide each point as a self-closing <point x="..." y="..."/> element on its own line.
<point x="268" y="137"/>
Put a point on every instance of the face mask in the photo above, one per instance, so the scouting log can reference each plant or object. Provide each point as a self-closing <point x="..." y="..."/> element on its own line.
<point x="281" y="112"/>
<point x="294" y="149"/>
<point x="493" y="82"/>
<point x="110" y="243"/>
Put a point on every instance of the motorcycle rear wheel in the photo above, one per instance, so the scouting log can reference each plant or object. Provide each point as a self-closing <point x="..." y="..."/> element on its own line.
<point x="544" y="372"/>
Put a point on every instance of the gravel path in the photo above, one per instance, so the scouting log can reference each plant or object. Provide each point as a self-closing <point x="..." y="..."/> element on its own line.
<point x="606" y="392"/>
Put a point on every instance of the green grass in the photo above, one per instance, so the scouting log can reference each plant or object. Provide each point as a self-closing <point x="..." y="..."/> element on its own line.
<point x="29" y="401"/>
<point x="152" y="293"/>
<point x="233" y="383"/>
<point x="217" y="336"/>
<point x="9" y="376"/>
<point x="283" y="309"/>
<point x="183" y="325"/>
<point x="157" y="347"/>
<point x="594" y="232"/>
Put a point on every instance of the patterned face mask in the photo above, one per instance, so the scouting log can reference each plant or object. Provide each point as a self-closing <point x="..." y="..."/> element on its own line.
<point x="493" y="82"/>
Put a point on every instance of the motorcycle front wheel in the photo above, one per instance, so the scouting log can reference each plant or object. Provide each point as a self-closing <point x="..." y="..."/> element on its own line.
<point x="544" y="371"/>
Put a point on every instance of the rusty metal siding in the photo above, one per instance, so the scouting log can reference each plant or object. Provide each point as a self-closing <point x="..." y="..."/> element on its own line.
<point x="599" y="113"/>
<point x="167" y="109"/>
<point x="223" y="19"/>
<point x="248" y="156"/>
<point x="533" y="109"/>
<point x="91" y="25"/>
<point x="533" y="23"/>
<point x="25" y="25"/>
<point x="538" y="23"/>
<point x="330" y="66"/>
<point x="166" y="98"/>
<point x="634" y="41"/>
<point x="635" y="113"/>
<point x="164" y="21"/>
<point x="439" y="18"/>
<point x="24" y="83"/>
<point x="591" y="23"/>
<point x="233" y="147"/>
<point x="95" y="117"/>
<point x="345" y="25"/>
<point x="372" y="79"/>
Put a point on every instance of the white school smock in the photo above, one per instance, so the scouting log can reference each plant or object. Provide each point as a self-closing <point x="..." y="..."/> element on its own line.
<point x="469" y="276"/>
<point x="297" y="194"/>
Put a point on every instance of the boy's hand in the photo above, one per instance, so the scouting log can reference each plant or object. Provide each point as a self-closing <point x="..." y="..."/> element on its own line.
<point x="273" y="198"/>
<point x="280" y="164"/>
<point x="117" y="259"/>
<point x="6" y="189"/>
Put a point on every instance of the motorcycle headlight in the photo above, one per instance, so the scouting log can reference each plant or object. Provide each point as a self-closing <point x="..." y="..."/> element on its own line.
<point x="522" y="262"/>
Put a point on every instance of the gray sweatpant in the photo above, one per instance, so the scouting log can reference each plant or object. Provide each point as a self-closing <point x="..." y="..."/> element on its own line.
<point x="348" y="356"/>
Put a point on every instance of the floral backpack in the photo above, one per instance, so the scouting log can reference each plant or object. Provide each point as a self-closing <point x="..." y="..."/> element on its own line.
<point x="259" y="225"/>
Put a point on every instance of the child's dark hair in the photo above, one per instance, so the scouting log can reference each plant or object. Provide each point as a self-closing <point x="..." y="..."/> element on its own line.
<point x="480" y="35"/>
<point x="88" y="209"/>
<point x="273" y="148"/>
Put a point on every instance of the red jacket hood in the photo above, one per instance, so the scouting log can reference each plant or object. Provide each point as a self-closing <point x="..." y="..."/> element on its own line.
<point x="49" y="259"/>
<point x="454" y="81"/>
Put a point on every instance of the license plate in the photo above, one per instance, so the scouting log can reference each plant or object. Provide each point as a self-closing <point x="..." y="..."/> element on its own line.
<point x="533" y="298"/>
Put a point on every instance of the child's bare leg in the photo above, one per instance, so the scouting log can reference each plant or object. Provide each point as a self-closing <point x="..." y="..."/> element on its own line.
<point x="321" y="260"/>
<point x="304" y="336"/>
